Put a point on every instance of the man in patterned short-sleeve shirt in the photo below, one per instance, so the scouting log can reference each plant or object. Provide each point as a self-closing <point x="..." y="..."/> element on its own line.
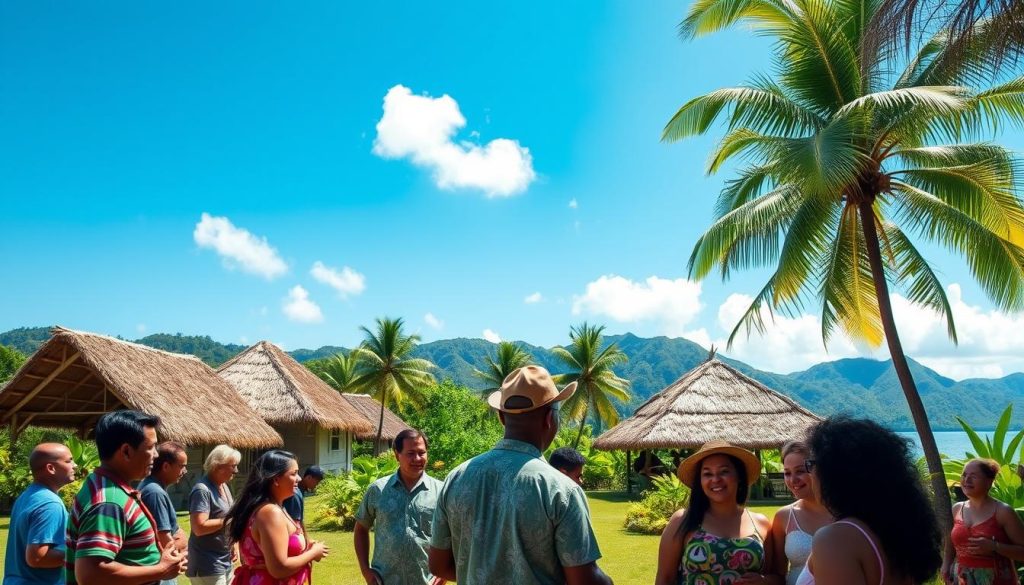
<point x="111" y="538"/>
<point x="399" y="508"/>
<point x="507" y="517"/>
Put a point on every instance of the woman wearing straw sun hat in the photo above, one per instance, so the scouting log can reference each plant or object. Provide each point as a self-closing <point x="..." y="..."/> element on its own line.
<point x="716" y="541"/>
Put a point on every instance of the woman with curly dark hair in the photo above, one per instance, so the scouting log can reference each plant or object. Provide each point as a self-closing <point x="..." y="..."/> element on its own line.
<point x="890" y="540"/>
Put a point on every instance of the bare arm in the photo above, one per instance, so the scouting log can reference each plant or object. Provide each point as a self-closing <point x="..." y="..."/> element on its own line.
<point x="775" y="548"/>
<point x="948" y="553"/>
<point x="180" y="540"/>
<point x="442" y="563"/>
<point x="834" y="561"/>
<point x="771" y="551"/>
<point x="361" y="541"/>
<point x="272" y="531"/>
<point x="101" y="571"/>
<point x="588" y="574"/>
<point x="44" y="556"/>
<point x="1014" y="528"/>
<point x="202" y="524"/>
<point x="670" y="551"/>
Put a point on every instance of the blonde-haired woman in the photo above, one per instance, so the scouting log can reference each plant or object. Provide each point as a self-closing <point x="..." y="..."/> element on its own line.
<point x="794" y="525"/>
<point x="210" y="551"/>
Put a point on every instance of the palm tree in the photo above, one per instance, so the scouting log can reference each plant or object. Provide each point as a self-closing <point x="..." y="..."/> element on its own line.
<point x="591" y="366"/>
<point x="385" y="370"/>
<point x="846" y="158"/>
<point x="996" y="25"/>
<point x="511" y="356"/>
<point x="338" y="371"/>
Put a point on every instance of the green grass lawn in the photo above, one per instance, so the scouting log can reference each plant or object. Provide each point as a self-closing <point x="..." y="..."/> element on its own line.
<point x="628" y="558"/>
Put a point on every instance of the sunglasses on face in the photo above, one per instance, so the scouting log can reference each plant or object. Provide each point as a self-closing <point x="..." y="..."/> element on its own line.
<point x="809" y="464"/>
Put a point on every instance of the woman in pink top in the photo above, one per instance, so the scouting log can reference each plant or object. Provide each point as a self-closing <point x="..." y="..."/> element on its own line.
<point x="885" y="531"/>
<point x="271" y="545"/>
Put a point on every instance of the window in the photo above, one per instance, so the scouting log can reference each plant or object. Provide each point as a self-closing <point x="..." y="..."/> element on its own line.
<point x="334" y="442"/>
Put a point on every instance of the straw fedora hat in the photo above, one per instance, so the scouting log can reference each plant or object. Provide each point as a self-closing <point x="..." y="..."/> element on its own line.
<point x="533" y="386"/>
<point x="690" y="466"/>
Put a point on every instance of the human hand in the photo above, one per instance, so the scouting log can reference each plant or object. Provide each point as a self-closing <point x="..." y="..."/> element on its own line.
<point x="372" y="578"/>
<point x="319" y="550"/>
<point x="982" y="546"/>
<point x="438" y="581"/>
<point x="234" y="555"/>
<point x="172" y="563"/>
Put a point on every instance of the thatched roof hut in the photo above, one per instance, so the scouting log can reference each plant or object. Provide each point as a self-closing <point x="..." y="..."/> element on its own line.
<point x="283" y="391"/>
<point x="76" y="377"/>
<point x="369" y="408"/>
<point x="712" y="401"/>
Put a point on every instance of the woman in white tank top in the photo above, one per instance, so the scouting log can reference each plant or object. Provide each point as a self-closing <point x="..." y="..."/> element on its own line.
<point x="794" y="525"/>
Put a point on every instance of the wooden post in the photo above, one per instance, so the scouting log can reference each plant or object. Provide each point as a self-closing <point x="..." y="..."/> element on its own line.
<point x="629" y="469"/>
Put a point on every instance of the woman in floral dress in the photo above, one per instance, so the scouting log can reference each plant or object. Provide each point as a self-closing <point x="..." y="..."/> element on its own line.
<point x="716" y="541"/>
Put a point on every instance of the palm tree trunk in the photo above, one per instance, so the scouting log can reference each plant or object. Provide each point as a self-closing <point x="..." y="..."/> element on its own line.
<point x="583" y="424"/>
<point x="943" y="503"/>
<point x="380" y="425"/>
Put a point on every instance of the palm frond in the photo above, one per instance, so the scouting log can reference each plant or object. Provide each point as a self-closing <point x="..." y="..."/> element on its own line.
<point x="708" y="16"/>
<point x="915" y="277"/>
<point x="764" y="108"/>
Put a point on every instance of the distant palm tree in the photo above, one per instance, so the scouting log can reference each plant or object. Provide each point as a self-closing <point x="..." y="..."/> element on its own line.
<point x="591" y="367"/>
<point x="510" y="356"/>
<point x="338" y="371"/>
<point x="843" y="158"/>
<point x="385" y="371"/>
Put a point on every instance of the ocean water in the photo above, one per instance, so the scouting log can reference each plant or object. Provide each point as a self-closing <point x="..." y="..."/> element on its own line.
<point x="951" y="443"/>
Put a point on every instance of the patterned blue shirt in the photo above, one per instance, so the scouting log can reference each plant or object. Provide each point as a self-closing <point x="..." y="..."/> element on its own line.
<point x="401" y="521"/>
<point x="509" y="517"/>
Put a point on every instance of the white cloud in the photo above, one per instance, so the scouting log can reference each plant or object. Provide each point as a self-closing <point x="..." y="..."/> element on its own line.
<point x="141" y="327"/>
<point x="573" y="204"/>
<point x="238" y="247"/>
<point x="534" y="298"/>
<point x="422" y="128"/>
<point x="346" y="281"/>
<point x="991" y="343"/>
<point x="433" y="321"/>
<point x="672" y="304"/>
<point x="491" y="336"/>
<point x="298" y="307"/>
<point x="788" y="345"/>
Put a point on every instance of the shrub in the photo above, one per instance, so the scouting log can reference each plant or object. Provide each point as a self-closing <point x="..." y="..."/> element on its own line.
<point x="340" y="494"/>
<point x="651" y="514"/>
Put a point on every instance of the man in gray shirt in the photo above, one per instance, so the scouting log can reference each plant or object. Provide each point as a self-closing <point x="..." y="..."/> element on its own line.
<point x="506" y="516"/>
<point x="168" y="469"/>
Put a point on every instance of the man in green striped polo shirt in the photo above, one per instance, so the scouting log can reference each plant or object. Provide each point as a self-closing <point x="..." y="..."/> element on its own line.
<point x="111" y="536"/>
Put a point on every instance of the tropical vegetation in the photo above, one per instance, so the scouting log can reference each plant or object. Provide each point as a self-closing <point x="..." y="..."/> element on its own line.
<point x="10" y="360"/>
<point x="847" y="164"/>
<point x="591" y="364"/>
<point x="386" y="371"/>
<point x="651" y="514"/>
<point x="1003" y="448"/>
<point x="510" y="356"/>
<point x="338" y="371"/>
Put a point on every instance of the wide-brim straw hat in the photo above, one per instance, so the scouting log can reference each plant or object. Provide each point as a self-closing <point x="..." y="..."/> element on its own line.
<point x="690" y="466"/>
<point x="534" y="385"/>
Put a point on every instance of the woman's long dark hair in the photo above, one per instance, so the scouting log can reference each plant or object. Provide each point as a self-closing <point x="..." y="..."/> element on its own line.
<point x="699" y="502"/>
<point x="256" y="492"/>
<point x="848" y="452"/>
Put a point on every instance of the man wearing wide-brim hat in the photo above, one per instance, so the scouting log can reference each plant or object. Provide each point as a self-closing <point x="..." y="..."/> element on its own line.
<point x="506" y="516"/>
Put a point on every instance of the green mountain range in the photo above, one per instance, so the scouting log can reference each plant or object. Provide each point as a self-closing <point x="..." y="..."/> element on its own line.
<point x="861" y="387"/>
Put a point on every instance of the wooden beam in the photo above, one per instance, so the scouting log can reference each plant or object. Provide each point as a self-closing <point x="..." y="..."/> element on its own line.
<point x="41" y="385"/>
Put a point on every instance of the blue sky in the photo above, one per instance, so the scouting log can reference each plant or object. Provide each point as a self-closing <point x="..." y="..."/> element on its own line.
<point x="123" y="124"/>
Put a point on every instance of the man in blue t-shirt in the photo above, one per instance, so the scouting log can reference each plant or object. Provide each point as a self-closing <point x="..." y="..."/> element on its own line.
<point x="168" y="469"/>
<point x="295" y="505"/>
<point x="35" y="545"/>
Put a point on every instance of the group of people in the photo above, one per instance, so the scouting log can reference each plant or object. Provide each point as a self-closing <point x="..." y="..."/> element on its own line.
<point x="507" y="516"/>
<point x="117" y="534"/>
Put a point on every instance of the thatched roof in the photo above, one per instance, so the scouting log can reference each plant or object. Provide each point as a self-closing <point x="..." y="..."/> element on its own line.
<point x="369" y="408"/>
<point x="75" y="377"/>
<point x="284" y="391"/>
<point x="712" y="401"/>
